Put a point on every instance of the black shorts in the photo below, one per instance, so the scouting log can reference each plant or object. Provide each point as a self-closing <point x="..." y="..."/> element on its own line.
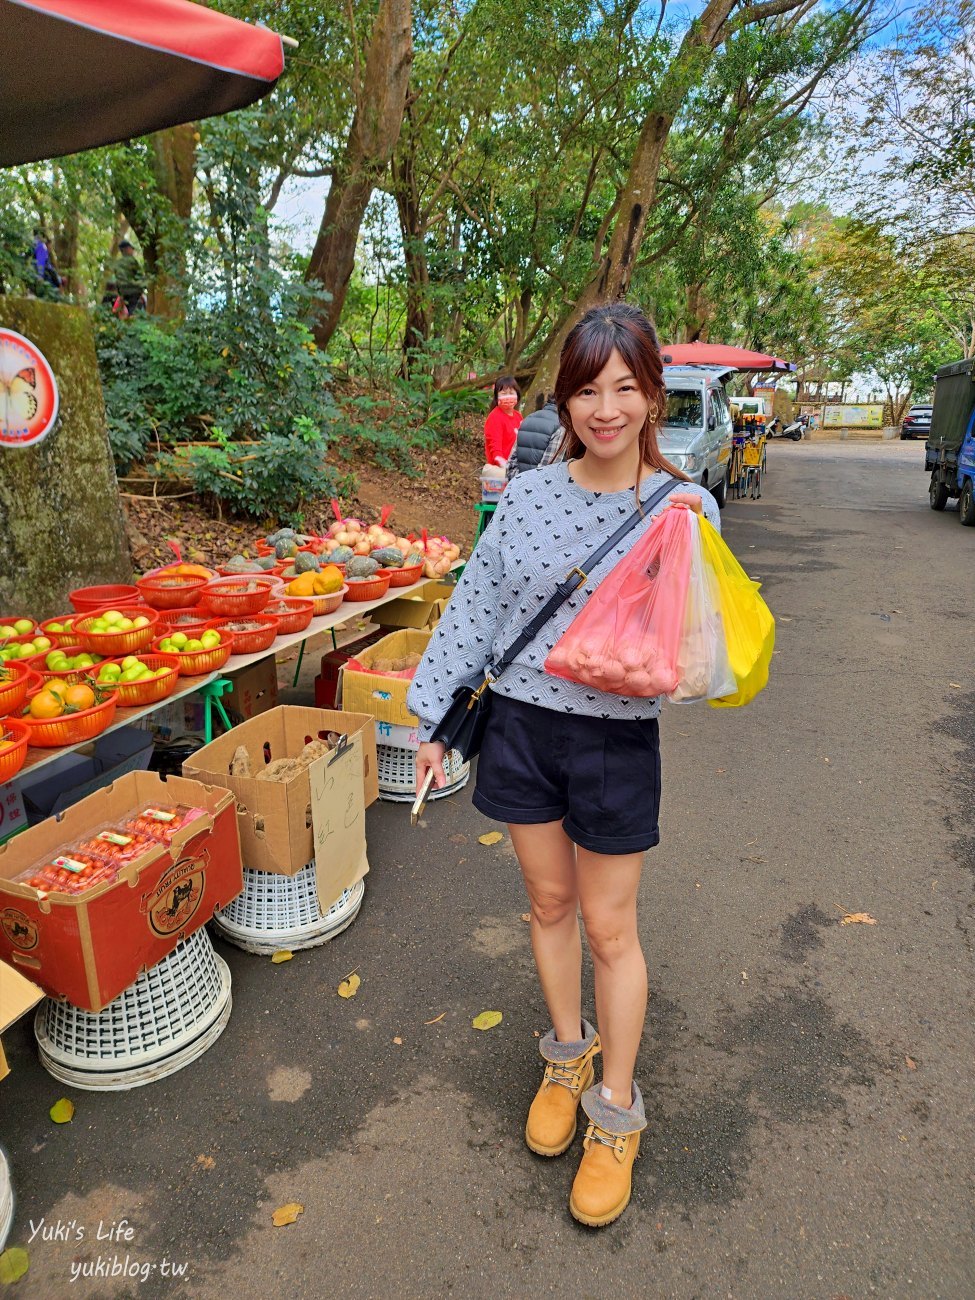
<point x="599" y="777"/>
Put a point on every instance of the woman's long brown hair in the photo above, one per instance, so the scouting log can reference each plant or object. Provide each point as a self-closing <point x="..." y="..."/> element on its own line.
<point x="585" y="352"/>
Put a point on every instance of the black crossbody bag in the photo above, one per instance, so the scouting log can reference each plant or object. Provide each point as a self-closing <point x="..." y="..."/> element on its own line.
<point x="462" y="727"/>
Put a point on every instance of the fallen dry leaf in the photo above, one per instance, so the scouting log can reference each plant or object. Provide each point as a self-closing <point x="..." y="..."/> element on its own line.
<point x="955" y="685"/>
<point x="287" y="1214"/>
<point x="526" y="916"/>
<point x="349" y="986"/>
<point x="487" y="1020"/>
<point x="858" y="918"/>
<point x="398" y="1042"/>
<point x="492" y="837"/>
<point x="205" y="1162"/>
<point x="436" y="1019"/>
<point x="281" y="955"/>
<point x="910" y="1063"/>
<point x="458" y="839"/>
<point x="62" y="1112"/>
<point x="14" y="1263"/>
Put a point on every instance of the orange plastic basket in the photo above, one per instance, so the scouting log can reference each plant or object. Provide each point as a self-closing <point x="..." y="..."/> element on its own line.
<point x="60" y="639"/>
<point x="112" y="644"/>
<point x="201" y="662"/>
<point x="171" y="590"/>
<point x="368" y="588"/>
<point x="138" y="694"/>
<point x="12" y="756"/>
<point x="16" y="684"/>
<point x="198" y="620"/>
<point x="258" y="638"/>
<point x="293" y="613"/>
<point x="86" y="599"/>
<point x="16" y="618"/>
<point x="229" y="597"/>
<point x="36" y="662"/>
<point x="72" y="728"/>
<point x="405" y="577"/>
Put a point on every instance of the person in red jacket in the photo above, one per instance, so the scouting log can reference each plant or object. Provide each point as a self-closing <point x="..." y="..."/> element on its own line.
<point x="501" y="425"/>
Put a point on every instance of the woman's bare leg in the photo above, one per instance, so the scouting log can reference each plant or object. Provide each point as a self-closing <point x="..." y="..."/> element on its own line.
<point x="548" y="864"/>
<point x="607" y="893"/>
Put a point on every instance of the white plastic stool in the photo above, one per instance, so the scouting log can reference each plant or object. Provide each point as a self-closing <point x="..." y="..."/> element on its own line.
<point x="396" y="771"/>
<point x="6" y="1200"/>
<point x="275" y="912"/>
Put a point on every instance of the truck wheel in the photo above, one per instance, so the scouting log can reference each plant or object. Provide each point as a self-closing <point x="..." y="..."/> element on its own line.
<point x="966" y="505"/>
<point x="937" y="493"/>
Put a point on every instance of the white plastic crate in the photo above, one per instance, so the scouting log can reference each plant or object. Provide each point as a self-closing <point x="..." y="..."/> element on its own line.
<point x="165" y="1020"/>
<point x="276" y="912"/>
<point x="6" y="1201"/>
<point x="396" y="768"/>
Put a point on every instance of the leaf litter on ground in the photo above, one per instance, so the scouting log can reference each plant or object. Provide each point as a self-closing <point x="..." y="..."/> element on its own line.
<point x="487" y="1020"/>
<point x="286" y="1214"/>
<point x="492" y="837"/>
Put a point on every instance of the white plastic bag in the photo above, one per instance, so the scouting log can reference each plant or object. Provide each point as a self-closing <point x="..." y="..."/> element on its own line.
<point x="703" y="669"/>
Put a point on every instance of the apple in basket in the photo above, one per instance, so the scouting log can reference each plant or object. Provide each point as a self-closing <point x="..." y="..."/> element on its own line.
<point x="179" y="643"/>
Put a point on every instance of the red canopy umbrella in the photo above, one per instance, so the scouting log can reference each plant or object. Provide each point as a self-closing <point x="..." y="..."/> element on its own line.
<point x="718" y="354"/>
<point x="82" y="73"/>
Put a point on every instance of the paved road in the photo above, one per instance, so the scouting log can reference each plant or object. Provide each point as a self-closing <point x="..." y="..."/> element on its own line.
<point x="809" y="1084"/>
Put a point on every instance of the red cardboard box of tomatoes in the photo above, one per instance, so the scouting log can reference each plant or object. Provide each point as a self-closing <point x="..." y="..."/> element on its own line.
<point x="90" y="946"/>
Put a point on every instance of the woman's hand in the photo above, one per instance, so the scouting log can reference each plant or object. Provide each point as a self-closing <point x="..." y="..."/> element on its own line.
<point x="690" y="499"/>
<point x="430" y="754"/>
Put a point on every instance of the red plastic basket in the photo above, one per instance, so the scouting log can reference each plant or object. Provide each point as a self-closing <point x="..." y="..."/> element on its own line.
<point x="199" y="622"/>
<point x="72" y="675"/>
<point x="60" y="639"/>
<point x="12" y="758"/>
<point x="16" y="684"/>
<point x="201" y="662"/>
<point x="72" y="728"/>
<point x="137" y="694"/>
<point x="405" y="577"/>
<point x="171" y="591"/>
<point x="229" y="597"/>
<point x="368" y="588"/>
<point x="86" y="599"/>
<point x="16" y="618"/>
<point x="259" y="638"/>
<point x="293" y="613"/>
<point x="111" y="644"/>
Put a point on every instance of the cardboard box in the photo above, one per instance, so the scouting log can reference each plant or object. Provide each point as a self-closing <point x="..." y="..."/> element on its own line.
<point x="182" y="719"/>
<point x="13" y="814"/>
<point x="255" y="689"/>
<point x="276" y="817"/>
<point x="422" y="610"/>
<point x="384" y="698"/>
<point x="17" y="996"/>
<point x="89" y="947"/>
<point x="129" y="749"/>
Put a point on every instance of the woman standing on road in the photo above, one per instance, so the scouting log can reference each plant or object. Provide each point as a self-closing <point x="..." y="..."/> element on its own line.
<point x="574" y="772"/>
<point x="503" y="419"/>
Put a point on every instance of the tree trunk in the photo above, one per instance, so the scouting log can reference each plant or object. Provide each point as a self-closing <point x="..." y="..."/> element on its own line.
<point x="416" y="330"/>
<point x="381" y="100"/>
<point x="697" y="313"/>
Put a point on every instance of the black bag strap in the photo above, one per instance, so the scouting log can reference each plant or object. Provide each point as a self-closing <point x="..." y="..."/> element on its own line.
<point x="574" y="580"/>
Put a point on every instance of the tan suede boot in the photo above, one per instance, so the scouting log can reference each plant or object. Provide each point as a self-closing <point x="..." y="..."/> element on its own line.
<point x="601" y="1191"/>
<point x="568" y="1073"/>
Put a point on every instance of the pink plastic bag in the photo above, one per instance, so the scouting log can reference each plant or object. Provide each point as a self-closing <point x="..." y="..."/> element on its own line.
<point x="626" y="638"/>
<point x="703" y="669"/>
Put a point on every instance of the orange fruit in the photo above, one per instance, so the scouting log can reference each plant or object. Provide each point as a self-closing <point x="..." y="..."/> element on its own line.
<point x="80" y="697"/>
<point x="58" y="687"/>
<point x="45" y="705"/>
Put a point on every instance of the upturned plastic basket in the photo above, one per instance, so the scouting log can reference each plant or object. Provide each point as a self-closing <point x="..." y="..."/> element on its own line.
<point x="201" y="662"/>
<point x="292" y="612"/>
<point x="60" y="639"/>
<point x="71" y="728"/>
<point x="405" y="577"/>
<point x="87" y="599"/>
<point x="162" y="1022"/>
<point x="12" y="759"/>
<point x="21" y="681"/>
<point x="276" y="912"/>
<point x="258" y="638"/>
<point x="229" y="597"/>
<point x="396" y="771"/>
<point x="138" y="694"/>
<point x="118" y="643"/>
<point x="6" y="1201"/>
<point x="368" y="588"/>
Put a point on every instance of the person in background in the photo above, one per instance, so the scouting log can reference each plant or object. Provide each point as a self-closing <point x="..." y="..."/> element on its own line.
<point x="129" y="278"/>
<point x="47" y="278"/>
<point x="501" y="425"/>
<point x="538" y="439"/>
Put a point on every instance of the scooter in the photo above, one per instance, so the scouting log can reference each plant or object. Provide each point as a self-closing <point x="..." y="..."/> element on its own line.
<point x="795" y="430"/>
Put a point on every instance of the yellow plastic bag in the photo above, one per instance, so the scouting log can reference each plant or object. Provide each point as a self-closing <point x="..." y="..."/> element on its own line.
<point x="748" y="622"/>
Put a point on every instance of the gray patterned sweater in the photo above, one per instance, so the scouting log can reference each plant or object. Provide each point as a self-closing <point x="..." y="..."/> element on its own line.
<point x="545" y="524"/>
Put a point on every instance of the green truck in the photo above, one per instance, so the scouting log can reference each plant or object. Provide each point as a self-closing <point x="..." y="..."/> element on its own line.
<point x="949" y="453"/>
